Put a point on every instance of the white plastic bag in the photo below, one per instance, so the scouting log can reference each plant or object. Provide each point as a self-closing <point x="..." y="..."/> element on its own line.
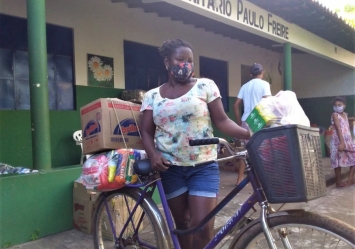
<point x="285" y="108"/>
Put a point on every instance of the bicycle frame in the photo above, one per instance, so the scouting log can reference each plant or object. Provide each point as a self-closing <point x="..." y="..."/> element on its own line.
<point x="257" y="196"/>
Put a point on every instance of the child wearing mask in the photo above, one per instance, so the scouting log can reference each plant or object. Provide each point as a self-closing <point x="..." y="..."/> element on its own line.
<point x="342" y="149"/>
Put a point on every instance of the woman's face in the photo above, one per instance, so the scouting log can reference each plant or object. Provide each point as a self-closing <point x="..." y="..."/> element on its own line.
<point x="182" y="54"/>
<point x="339" y="104"/>
<point x="180" y="64"/>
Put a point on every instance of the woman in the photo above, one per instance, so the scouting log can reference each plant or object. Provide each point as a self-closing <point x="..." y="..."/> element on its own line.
<point x="341" y="146"/>
<point x="179" y="110"/>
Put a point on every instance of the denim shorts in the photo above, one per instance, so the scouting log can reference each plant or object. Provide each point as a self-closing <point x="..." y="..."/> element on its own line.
<point x="202" y="180"/>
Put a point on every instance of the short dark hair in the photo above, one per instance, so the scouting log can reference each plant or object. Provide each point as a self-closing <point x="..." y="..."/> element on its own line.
<point x="340" y="99"/>
<point x="169" y="47"/>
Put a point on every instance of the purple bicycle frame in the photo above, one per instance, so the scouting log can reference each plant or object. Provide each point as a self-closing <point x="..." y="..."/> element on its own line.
<point x="257" y="196"/>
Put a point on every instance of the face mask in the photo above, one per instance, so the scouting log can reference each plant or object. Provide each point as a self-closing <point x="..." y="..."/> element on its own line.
<point x="183" y="71"/>
<point x="338" y="109"/>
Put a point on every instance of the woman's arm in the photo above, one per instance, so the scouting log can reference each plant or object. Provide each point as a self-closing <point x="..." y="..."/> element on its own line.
<point x="338" y="130"/>
<point x="147" y="132"/>
<point x="224" y="123"/>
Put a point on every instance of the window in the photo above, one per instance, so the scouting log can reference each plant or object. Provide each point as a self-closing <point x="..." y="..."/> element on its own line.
<point x="144" y="67"/>
<point x="14" y="70"/>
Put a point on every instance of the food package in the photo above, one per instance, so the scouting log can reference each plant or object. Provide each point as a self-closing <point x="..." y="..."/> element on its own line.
<point x="281" y="109"/>
<point x="110" y="170"/>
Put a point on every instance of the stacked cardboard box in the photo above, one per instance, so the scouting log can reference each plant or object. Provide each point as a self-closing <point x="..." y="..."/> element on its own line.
<point x="83" y="207"/>
<point x="110" y="123"/>
<point x="119" y="215"/>
<point x="85" y="203"/>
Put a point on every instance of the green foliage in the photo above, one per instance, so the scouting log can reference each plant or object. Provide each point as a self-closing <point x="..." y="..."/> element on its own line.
<point x="35" y="235"/>
<point x="350" y="14"/>
<point x="349" y="8"/>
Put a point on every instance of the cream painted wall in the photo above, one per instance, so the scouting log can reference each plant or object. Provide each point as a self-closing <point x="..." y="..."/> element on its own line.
<point x="100" y="27"/>
<point x="315" y="77"/>
<point x="297" y="36"/>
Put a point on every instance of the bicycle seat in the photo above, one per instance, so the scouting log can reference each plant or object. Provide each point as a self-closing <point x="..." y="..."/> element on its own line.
<point x="142" y="167"/>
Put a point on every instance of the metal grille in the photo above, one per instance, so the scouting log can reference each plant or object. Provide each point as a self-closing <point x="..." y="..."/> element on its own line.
<point x="276" y="162"/>
<point x="312" y="166"/>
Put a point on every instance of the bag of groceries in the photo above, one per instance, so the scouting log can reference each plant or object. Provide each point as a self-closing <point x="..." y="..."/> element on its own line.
<point x="281" y="109"/>
<point x="110" y="170"/>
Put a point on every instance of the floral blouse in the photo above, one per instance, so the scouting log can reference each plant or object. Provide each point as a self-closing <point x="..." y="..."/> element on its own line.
<point x="182" y="119"/>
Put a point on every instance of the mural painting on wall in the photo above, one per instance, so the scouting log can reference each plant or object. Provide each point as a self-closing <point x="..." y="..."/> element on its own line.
<point x="100" y="71"/>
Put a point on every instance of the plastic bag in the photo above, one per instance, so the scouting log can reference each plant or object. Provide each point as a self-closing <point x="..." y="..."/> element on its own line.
<point x="281" y="109"/>
<point x="7" y="169"/>
<point x="289" y="110"/>
<point x="110" y="170"/>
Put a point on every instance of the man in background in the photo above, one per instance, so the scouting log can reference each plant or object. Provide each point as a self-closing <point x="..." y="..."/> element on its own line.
<point x="250" y="95"/>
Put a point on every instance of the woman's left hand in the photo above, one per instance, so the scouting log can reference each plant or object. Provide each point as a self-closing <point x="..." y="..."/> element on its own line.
<point x="159" y="163"/>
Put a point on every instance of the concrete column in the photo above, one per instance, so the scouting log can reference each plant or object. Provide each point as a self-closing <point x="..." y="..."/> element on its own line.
<point x="37" y="59"/>
<point x="287" y="67"/>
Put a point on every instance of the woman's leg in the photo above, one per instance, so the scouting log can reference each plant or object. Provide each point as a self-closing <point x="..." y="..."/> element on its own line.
<point x="199" y="208"/>
<point x="241" y="170"/>
<point x="338" y="181"/>
<point x="179" y="208"/>
<point x="351" y="175"/>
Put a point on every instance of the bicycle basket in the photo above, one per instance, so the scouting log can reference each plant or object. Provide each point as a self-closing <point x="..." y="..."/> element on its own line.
<point x="287" y="160"/>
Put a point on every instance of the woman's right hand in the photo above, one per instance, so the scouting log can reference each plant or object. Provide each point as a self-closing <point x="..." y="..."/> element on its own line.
<point x="159" y="163"/>
<point x="341" y="146"/>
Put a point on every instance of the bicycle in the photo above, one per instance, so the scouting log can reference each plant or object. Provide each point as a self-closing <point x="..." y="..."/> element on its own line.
<point x="129" y="218"/>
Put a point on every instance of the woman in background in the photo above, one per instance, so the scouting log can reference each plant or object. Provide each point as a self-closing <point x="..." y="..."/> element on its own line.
<point x="342" y="148"/>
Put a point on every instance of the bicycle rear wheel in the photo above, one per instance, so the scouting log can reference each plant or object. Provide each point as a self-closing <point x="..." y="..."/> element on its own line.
<point x="302" y="229"/>
<point x="142" y="232"/>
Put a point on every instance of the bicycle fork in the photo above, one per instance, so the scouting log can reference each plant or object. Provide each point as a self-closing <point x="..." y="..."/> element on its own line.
<point x="265" y="227"/>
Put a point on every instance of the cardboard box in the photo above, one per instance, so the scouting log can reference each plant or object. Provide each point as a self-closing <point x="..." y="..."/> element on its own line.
<point x="119" y="215"/>
<point x="255" y="120"/>
<point x="100" y="121"/>
<point x="83" y="208"/>
<point x="260" y="117"/>
<point x="84" y="204"/>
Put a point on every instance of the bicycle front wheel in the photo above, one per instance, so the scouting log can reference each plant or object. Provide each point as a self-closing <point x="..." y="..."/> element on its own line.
<point x="142" y="232"/>
<point x="299" y="230"/>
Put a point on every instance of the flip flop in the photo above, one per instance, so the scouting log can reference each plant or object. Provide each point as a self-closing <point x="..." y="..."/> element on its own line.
<point x="341" y="185"/>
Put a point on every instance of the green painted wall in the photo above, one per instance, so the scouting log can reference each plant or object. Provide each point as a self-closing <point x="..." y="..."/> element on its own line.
<point x="230" y="114"/>
<point x="320" y="109"/>
<point x="38" y="201"/>
<point x="15" y="131"/>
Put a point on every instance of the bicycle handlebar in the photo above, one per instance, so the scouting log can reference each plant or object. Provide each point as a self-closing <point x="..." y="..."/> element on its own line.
<point x="204" y="141"/>
<point x="216" y="140"/>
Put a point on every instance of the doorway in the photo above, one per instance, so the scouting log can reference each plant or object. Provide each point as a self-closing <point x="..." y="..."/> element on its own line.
<point x="245" y="74"/>
<point x="217" y="71"/>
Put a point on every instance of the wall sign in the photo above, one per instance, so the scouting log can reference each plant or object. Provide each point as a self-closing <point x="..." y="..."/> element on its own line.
<point x="238" y="11"/>
<point x="252" y="18"/>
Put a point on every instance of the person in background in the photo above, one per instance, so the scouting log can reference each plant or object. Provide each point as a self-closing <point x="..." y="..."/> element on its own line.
<point x="249" y="96"/>
<point x="342" y="149"/>
<point x="182" y="109"/>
